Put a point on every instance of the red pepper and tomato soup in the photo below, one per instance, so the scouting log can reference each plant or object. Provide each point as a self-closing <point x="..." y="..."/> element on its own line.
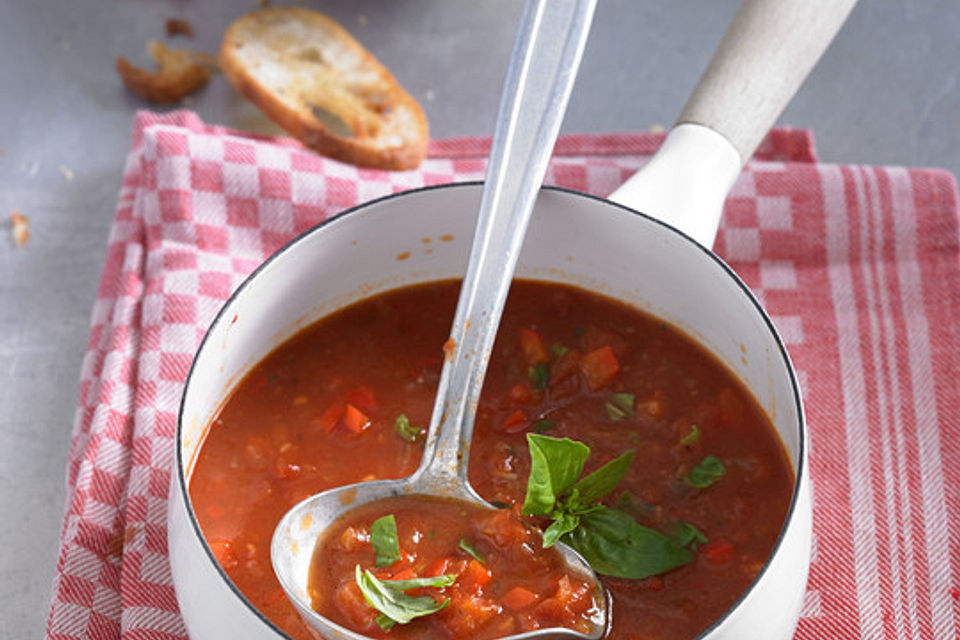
<point x="599" y="426"/>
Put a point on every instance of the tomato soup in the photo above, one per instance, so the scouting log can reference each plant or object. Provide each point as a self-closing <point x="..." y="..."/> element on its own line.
<point x="492" y="576"/>
<point x="348" y="399"/>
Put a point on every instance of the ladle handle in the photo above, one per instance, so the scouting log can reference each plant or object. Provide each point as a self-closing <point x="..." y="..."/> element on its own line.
<point x="539" y="79"/>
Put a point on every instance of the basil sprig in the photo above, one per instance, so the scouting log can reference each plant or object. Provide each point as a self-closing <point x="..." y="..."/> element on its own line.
<point x="383" y="537"/>
<point x="609" y="539"/>
<point x="404" y="429"/>
<point x="708" y="471"/>
<point x="395" y="606"/>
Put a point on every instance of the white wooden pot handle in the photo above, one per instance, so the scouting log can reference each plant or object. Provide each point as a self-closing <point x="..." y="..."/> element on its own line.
<point x="765" y="55"/>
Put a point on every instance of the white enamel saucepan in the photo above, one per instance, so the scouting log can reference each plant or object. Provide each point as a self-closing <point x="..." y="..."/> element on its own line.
<point x="646" y="245"/>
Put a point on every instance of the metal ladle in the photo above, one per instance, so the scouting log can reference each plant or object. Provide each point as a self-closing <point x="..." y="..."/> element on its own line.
<point x="542" y="69"/>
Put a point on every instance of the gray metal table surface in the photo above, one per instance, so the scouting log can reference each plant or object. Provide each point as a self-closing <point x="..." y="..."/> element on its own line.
<point x="885" y="93"/>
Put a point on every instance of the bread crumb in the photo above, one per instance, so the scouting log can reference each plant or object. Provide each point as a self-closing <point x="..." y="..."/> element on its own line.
<point x="66" y="172"/>
<point x="362" y="20"/>
<point x="430" y="95"/>
<point x="19" y="228"/>
<point x="657" y="128"/>
<point x="179" y="72"/>
<point x="4" y="152"/>
<point x="178" y="27"/>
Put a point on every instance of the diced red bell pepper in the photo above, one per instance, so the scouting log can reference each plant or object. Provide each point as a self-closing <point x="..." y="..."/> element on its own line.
<point x="599" y="367"/>
<point x="330" y="417"/>
<point x="718" y="551"/>
<point x="363" y="398"/>
<point x="532" y="345"/>
<point x="439" y="567"/>
<point x="475" y="576"/>
<point x="355" y="420"/>
<point x="515" y="422"/>
<point x="404" y="574"/>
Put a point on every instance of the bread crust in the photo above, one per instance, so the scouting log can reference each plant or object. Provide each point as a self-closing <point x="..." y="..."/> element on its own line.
<point x="389" y="129"/>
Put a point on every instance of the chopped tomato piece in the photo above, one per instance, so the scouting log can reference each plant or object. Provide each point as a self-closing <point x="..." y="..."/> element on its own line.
<point x="467" y="613"/>
<point x="515" y="422"/>
<point x="354" y="538"/>
<point x="224" y="553"/>
<point x="475" y="576"/>
<point x="519" y="598"/>
<point x="552" y="613"/>
<point x="355" y="420"/>
<point x="718" y="551"/>
<point x="599" y="367"/>
<point x="564" y="379"/>
<point x="522" y="393"/>
<point x="532" y="345"/>
<point x="504" y="529"/>
<point x="353" y="605"/>
<point x="573" y="594"/>
<point x="330" y="418"/>
<point x="363" y="398"/>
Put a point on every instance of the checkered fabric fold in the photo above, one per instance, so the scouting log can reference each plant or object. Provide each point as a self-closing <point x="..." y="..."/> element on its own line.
<point x="858" y="266"/>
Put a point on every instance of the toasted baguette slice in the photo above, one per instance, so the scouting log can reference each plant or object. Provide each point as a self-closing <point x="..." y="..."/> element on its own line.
<point x="300" y="67"/>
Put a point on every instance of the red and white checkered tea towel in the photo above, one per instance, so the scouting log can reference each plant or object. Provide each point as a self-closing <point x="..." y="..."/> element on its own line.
<point x="857" y="265"/>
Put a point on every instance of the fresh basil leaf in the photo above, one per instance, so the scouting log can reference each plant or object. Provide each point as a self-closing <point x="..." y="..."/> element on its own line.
<point x="404" y="429"/>
<point x="555" y="465"/>
<point x="688" y="536"/>
<point x="542" y="426"/>
<point x="692" y="437"/>
<point x="385" y="623"/>
<point x="615" y="545"/>
<point x="619" y="406"/>
<point x="558" y="349"/>
<point x="540" y="376"/>
<point x="466" y="546"/>
<point x="383" y="537"/>
<point x="706" y="473"/>
<point x="602" y="481"/>
<point x="394" y="604"/>
<point x="564" y="524"/>
<point x="418" y="583"/>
